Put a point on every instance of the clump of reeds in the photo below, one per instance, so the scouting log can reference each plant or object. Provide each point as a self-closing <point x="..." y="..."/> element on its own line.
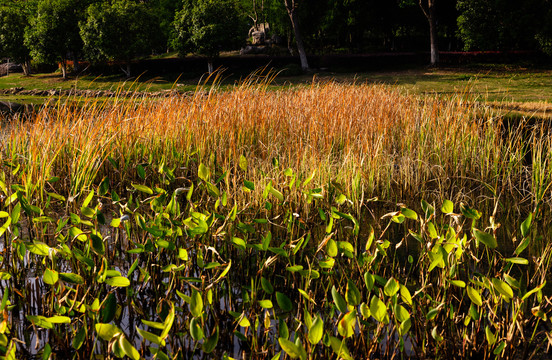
<point x="372" y="140"/>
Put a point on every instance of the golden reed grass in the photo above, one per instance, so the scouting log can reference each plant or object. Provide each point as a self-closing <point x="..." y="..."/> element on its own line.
<point x="373" y="140"/>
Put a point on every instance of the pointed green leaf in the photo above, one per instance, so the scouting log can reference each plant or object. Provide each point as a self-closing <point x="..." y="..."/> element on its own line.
<point x="107" y="331"/>
<point x="316" y="331"/>
<point x="339" y="301"/>
<point x="283" y="302"/>
<point x="487" y="239"/>
<point x="448" y="207"/>
<point x="474" y="296"/>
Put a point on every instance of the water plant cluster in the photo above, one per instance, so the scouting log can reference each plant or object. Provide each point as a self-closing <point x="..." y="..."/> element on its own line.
<point x="328" y="221"/>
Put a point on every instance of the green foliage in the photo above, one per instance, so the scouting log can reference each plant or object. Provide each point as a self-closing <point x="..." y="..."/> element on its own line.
<point x="54" y="32"/>
<point x="12" y="30"/>
<point x="207" y="27"/>
<point x="119" y="31"/>
<point x="493" y="25"/>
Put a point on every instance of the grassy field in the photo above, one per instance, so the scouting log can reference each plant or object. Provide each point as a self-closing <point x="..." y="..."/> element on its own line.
<point x="321" y="221"/>
<point x="514" y="89"/>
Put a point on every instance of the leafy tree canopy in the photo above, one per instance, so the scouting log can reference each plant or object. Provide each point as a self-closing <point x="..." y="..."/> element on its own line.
<point x="117" y="31"/>
<point x="207" y="27"/>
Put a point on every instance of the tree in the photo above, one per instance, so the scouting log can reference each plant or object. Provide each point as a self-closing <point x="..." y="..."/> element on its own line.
<point x="428" y="8"/>
<point x="492" y="25"/>
<point x="207" y="27"/>
<point x="12" y="36"/>
<point x="119" y="31"/>
<point x="53" y="34"/>
<point x="292" y="10"/>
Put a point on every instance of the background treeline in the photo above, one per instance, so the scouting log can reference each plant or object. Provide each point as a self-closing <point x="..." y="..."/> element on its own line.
<point x="55" y="31"/>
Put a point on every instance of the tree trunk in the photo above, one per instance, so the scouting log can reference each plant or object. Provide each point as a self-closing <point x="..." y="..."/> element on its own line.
<point x="26" y="67"/>
<point x="76" y="65"/>
<point x="64" y="69"/>
<point x="433" y="38"/>
<point x="210" y="67"/>
<point x="429" y="13"/>
<point x="126" y="69"/>
<point x="291" y="8"/>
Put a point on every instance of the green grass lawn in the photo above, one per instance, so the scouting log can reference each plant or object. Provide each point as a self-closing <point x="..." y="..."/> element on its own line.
<point x="516" y="89"/>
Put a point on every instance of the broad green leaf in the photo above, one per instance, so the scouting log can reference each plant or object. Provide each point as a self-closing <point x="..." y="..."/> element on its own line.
<point x="128" y="349"/>
<point x="97" y="244"/>
<point x="290" y="348"/>
<point x="522" y="245"/>
<point x="40" y="321"/>
<point x="448" y="207"/>
<point x="39" y="248"/>
<point x="267" y="286"/>
<point x="365" y="311"/>
<point x="431" y="314"/>
<point x="203" y="172"/>
<point x="369" y="281"/>
<point x="168" y="323"/>
<point x="150" y="337"/>
<point x="277" y="194"/>
<point x="436" y="335"/>
<point x="283" y="330"/>
<point x="58" y="319"/>
<point x="405" y="295"/>
<point x="340" y="348"/>
<point x="239" y="243"/>
<point x="265" y="304"/>
<point x="225" y="271"/>
<point x="327" y="263"/>
<point x="109" y="308"/>
<point x="491" y="339"/>
<point x="195" y="329"/>
<point x="339" y="301"/>
<point x="196" y="304"/>
<point x="283" y="302"/>
<point x="305" y="295"/>
<point x="76" y="233"/>
<point x="50" y="276"/>
<point x="487" y="239"/>
<point x="294" y="268"/>
<point x="503" y="288"/>
<point x="400" y="313"/>
<point x="458" y="283"/>
<point x="243" y="163"/>
<point x="244" y="322"/>
<point x="143" y="188"/>
<point x="474" y="296"/>
<point x="409" y="214"/>
<point x="405" y="326"/>
<point x="316" y="331"/>
<point x="346" y="326"/>
<point x="71" y="278"/>
<point x="391" y="287"/>
<point x="107" y="331"/>
<point x="79" y="338"/>
<point x="526" y="225"/>
<point x="211" y="342"/>
<point x="153" y="324"/>
<point x="331" y="248"/>
<point x="118" y="281"/>
<point x="352" y="294"/>
<point x="88" y="199"/>
<point x="379" y="310"/>
<point x="517" y="260"/>
<point x="499" y="348"/>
